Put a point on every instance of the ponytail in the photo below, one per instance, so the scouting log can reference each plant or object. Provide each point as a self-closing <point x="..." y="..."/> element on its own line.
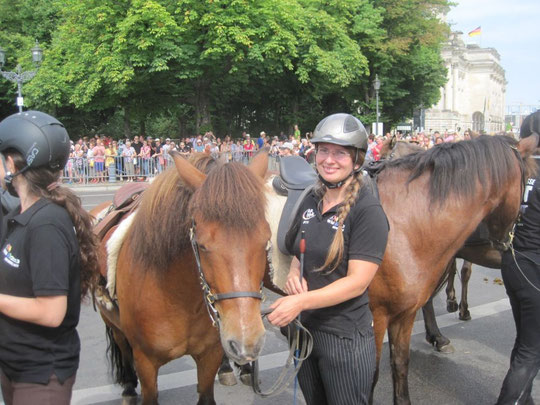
<point x="43" y="182"/>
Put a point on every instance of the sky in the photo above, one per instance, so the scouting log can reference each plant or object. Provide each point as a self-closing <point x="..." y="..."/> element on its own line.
<point x="513" y="29"/>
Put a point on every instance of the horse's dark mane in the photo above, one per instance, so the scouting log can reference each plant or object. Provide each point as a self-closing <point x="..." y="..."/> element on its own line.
<point x="459" y="168"/>
<point x="161" y="229"/>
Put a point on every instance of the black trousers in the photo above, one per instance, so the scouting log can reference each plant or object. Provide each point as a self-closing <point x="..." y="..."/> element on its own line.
<point x="525" y="301"/>
<point x="339" y="371"/>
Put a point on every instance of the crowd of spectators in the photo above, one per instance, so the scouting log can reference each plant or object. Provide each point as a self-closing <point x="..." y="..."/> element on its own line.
<point x="100" y="158"/>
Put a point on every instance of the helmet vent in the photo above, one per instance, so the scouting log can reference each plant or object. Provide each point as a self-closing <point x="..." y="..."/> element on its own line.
<point x="350" y="124"/>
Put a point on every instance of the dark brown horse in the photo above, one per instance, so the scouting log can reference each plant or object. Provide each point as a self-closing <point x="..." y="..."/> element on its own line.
<point x="161" y="312"/>
<point x="437" y="199"/>
<point x="479" y="250"/>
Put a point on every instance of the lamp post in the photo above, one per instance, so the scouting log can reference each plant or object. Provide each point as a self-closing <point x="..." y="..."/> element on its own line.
<point x="19" y="76"/>
<point x="377" y="86"/>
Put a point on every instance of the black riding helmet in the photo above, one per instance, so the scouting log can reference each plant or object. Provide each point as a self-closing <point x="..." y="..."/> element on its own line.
<point x="41" y="139"/>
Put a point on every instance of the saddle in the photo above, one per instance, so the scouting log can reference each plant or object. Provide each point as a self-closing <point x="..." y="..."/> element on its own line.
<point x="125" y="201"/>
<point x="296" y="179"/>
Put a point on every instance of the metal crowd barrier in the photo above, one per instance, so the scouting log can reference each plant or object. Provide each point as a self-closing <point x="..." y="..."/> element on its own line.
<point x="123" y="169"/>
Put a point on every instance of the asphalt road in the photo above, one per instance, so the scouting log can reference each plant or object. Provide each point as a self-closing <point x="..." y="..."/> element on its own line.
<point x="471" y="375"/>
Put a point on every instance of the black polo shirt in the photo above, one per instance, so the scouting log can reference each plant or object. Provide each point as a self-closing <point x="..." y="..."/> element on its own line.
<point x="39" y="256"/>
<point x="527" y="236"/>
<point x="365" y="235"/>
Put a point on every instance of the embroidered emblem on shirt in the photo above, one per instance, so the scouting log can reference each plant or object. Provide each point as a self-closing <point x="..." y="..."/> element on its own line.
<point x="308" y="214"/>
<point x="9" y="258"/>
<point x="333" y="220"/>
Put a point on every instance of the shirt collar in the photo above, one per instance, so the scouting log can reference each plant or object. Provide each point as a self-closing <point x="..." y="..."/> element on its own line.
<point x="25" y="217"/>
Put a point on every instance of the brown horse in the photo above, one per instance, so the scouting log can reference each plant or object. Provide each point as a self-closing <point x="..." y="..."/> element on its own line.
<point x="161" y="312"/>
<point x="434" y="201"/>
<point x="479" y="251"/>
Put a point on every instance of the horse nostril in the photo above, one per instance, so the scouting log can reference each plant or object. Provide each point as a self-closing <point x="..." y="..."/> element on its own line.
<point x="233" y="346"/>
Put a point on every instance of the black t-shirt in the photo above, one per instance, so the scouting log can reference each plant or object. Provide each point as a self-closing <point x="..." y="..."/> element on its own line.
<point x="527" y="234"/>
<point x="137" y="146"/>
<point x="39" y="257"/>
<point x="365" y="235"/>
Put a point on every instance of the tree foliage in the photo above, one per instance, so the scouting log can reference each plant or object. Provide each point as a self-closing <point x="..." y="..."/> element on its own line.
<point x="225" y="64"/>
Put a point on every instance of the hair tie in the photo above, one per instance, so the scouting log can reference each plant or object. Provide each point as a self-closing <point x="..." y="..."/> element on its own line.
<point x="53" y="186"/>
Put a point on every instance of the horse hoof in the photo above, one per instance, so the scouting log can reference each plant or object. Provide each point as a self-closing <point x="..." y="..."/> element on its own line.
<point x="445" y="349"/>
<point x="451" y="306"/>
<point x="246" y="379"/>
<point x="466" y="316"/>
<point x="129" y="400"/>
<point x="227" y="378"/>
<point x="129" y="392"/>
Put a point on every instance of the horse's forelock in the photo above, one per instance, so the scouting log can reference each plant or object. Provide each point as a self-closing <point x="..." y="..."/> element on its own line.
<point x="231" y="195"/>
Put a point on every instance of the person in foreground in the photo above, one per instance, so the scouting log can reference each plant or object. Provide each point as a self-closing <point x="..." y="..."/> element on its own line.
<point x="48" y="259"/>
<point x="521" y="274"/>
<point x="346" y="231"/>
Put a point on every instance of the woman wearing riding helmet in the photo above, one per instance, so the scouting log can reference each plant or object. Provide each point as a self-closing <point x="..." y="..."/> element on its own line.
<point x="346" y="232"/>
<point x="48" y="262"/>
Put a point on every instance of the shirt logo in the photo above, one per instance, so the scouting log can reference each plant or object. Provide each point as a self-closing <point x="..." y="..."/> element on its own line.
<point x="308" y="214"/>
<point x="333" y="220"/>
<point x="9" y="258"/>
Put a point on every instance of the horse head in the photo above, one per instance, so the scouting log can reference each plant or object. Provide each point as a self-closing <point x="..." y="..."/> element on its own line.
<point x="229" y="238"/>
<point x="502" y="218"/>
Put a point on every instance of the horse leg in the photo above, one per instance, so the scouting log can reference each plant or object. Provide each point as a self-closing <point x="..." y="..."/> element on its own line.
<point x="433" y="334"/>
<point x="148" y="371"/>
<point x="451" y="302"/>
<point x="466" y="271"/>
<point x="121" y="357"/>
<point x="380" y="323"/>
<point x="207" y="366"/>
<point x="226" y="372"/>
<point x="245" y="373"/>
<point x="399" y="337"/>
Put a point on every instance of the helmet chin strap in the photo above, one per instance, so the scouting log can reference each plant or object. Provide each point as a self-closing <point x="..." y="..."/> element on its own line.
<point x="8" y="178"/>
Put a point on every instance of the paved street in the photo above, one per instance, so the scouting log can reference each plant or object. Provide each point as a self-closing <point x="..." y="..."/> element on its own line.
<point x="471" y="375"/>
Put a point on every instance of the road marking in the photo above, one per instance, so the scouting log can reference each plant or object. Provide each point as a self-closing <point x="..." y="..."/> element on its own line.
<point x="87" y="396"/>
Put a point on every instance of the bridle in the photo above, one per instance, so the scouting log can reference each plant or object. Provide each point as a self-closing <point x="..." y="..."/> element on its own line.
<point x="210" y="297"/>
<point x="298" y="335"/>
<point x="505" y="243"/>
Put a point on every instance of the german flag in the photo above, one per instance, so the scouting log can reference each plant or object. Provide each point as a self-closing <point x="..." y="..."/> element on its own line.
<point x="475" y="32"/>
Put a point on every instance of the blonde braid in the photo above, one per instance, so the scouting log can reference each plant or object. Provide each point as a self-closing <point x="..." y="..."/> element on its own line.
<point x="335" y="252"/>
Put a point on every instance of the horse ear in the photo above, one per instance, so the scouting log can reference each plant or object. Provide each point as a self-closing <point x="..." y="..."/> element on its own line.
<point x="259" y="164"/>
<point x="393" y="141"/>
<point x="192" y="177"/>
<point x="527" y="146"/>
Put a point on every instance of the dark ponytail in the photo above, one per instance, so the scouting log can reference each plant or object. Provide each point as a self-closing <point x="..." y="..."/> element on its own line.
<point x="43" y="182"/>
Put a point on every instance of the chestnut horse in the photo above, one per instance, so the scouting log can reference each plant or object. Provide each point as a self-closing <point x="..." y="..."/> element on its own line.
<point x="437" y="199"/>
<point x="161" y="312"/>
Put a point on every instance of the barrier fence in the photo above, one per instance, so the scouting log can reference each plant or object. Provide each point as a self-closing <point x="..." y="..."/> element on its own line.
<point x="126" y="169"/>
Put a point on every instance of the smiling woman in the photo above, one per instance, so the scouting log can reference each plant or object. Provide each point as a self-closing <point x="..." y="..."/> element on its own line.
<point x="345" y="238"/>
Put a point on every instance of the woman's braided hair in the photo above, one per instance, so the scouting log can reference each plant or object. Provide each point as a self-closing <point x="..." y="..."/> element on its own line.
<point x="39" y="184"/>
<point x="336" y="250"/>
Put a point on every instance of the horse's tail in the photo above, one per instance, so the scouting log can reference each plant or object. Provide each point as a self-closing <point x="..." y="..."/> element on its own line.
<point x="121" y="360"/>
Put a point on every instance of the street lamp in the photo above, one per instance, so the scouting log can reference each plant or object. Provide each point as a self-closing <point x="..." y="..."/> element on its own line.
<point x="377" y="86"/>
<point x="19" y="76"/>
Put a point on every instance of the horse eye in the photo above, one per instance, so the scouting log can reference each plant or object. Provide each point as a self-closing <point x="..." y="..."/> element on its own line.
<point x="203" y="248"/>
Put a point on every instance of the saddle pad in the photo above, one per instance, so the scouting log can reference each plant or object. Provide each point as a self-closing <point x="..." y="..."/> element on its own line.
<point x="114" y="244"/>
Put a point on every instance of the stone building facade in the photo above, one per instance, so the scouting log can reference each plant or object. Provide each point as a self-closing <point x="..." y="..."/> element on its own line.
<point x="474" y="96"/>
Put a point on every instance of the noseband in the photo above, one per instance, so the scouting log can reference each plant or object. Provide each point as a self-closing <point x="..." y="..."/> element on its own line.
<point x="210" y="298"/>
